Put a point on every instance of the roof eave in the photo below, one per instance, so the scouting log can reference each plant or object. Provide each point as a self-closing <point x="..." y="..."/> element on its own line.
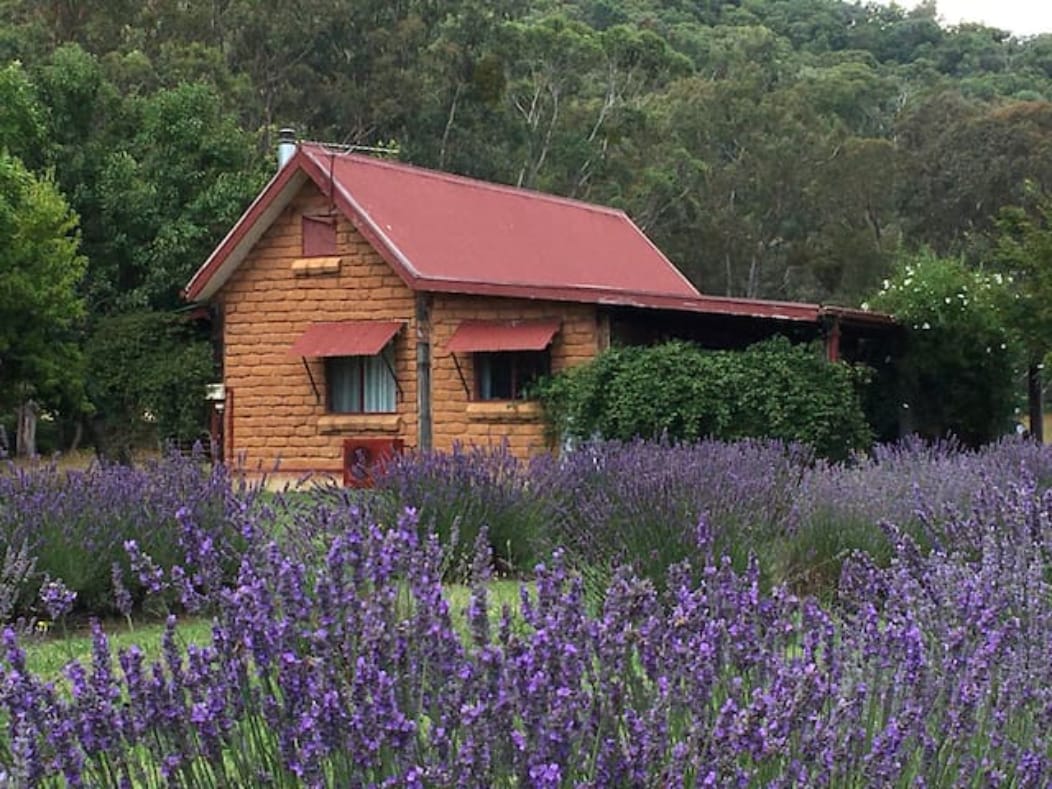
<point x="859" y="317"/>
<point x="716" y="305"/>
<point x="248" y="229"/>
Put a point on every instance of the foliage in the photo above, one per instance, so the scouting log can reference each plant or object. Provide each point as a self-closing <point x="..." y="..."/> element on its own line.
<point x="958" y="372"/>
<point x="156" y="175"/>
<point x="609" y="504"/>
<point x="22" y="125"/>
<point x="606" y="503"/>
<point x="637" y="504"/>
<point x="775" y="149"/>
<point x="912" y="484"/>
<point x="771" y="149"/>
<point x="968" y="160"/>
<point x="147" y="368"/>
<point x="40" y="269"/>
<point x="770" y="390"/>
<point x="164" y="197"/>
<point x="1023" y="253"/>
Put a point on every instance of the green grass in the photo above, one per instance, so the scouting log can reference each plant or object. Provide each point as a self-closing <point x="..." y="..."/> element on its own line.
<point x="499" y="594"/>
<point x="48" y="654"/>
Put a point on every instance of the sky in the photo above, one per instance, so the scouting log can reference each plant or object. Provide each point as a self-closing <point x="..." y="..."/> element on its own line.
<point x="1022" y="17"/>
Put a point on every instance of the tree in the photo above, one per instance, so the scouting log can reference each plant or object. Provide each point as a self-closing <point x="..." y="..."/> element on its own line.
<point x="22" y="127"/>
<point x="157" y="177"/>
<point x="147" y="378"/>
<point x="964" y="161"/>
<point x="166" y="196"/>
<point x="958" y="372"/>
<point x="40" y="269"/>
<point x="762" y="150"/>
<point x="1024" y="254"/>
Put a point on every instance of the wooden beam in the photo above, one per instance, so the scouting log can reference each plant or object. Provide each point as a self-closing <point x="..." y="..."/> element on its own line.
<point x="833" y="341"/>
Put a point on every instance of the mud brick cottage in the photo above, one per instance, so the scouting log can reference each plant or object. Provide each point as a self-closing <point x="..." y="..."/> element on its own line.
<point x="364" y="306"/>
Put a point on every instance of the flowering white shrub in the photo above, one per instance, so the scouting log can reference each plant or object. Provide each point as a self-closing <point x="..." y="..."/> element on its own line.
<point x="958" y="370"/>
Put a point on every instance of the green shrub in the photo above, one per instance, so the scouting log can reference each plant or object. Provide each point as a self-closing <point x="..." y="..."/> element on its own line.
<point x="957" y="375"/>
<point x="771" y="390"/>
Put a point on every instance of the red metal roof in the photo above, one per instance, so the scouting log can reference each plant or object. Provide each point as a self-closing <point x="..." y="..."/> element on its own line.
<point x="472" y="336"/>
<point x="454" y="234"/>
<point x="345" y="338"/>
<point x="445" y="233"/>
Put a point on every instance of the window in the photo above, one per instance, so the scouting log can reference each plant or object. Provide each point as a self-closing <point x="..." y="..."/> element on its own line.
<point x="507" y="375"/>
<point x="361" y="384"/>
<point x="319" y="236"/>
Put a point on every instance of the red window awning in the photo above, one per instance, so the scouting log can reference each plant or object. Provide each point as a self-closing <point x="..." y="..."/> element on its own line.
<point x="473" y="336"/>
<point x="345" y="338"/>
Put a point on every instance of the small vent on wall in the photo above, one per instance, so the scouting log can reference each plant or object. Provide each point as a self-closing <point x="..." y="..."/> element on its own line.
<point x="319" y="236"/>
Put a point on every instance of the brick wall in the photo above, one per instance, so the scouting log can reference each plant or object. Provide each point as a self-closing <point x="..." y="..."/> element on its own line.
<point x="454" y="417"/>
<point x="267" y="304"/>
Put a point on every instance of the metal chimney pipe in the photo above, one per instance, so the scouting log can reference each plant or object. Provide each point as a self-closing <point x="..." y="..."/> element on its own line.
<point x="286" y="146"/>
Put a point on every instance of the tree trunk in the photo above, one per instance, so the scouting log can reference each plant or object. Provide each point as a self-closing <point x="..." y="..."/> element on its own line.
<point x="26" y="429"/>
<point x="1037" y="408"/>
<point x="78" y="436"/>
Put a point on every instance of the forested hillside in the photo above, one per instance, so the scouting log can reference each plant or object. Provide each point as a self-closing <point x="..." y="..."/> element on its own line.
<point x="773" y="148"/>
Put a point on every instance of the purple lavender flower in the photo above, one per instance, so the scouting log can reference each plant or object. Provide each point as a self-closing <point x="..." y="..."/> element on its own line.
<point x="57" y="599"/>
<point x="335" y="656"/>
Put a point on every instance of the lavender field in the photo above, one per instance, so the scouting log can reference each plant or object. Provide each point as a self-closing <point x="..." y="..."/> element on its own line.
<point x="704" y="615"/>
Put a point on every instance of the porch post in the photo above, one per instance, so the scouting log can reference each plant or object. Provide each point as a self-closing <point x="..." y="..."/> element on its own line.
<point x="1036" y="405"/>
<point x="833" y="341"/>
<point x="423" y="371"/>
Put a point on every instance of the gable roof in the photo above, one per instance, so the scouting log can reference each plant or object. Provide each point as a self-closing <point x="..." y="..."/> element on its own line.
<point x="447" y="233"/>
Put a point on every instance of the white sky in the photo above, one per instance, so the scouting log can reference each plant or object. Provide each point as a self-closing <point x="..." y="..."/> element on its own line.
<point x="1022" y="17"/>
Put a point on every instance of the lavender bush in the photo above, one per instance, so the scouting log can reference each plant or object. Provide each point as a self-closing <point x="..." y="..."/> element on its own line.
<point x="636" y="503"/>
<point x="606" y="503"/>
<point x="352" y="672"/>
<point x="16" y="576"/>
<point x="461" y="493"/>
<point x="611" y="503"/>
<point x="335" y="659"/>
<point x="74" y="524"/>
<point x="906" y="481"/>
<point x="915" y="484"/>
